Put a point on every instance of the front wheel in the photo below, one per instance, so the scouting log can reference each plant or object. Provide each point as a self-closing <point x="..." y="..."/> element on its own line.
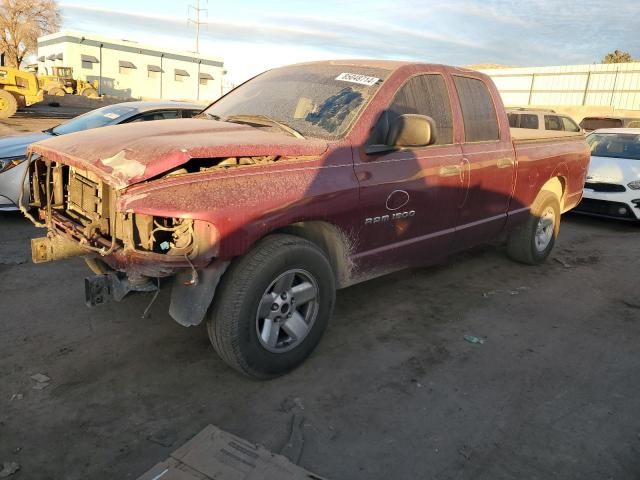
<point x="272" y="306"/>
<point x="8" y="104"/>
<point x="532" y="242"/>
<point x="89" y="92"/>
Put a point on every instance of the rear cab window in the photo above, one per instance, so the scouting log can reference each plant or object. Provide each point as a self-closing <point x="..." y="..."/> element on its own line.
<point x="478" y="111"/>
<point x="594" y="123"/>
<point x="424" y="94"/>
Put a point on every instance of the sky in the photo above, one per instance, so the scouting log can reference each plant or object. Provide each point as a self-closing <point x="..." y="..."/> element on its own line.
<point x="252" y="35"/>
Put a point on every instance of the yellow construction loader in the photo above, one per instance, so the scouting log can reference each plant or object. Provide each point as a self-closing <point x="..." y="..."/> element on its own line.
<point x="61" y="82"/>
<point x="17" y="89"/>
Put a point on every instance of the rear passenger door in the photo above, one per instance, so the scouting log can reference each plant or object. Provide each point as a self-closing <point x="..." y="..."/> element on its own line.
<point x="489" y="162"/>
<point x="410" y="197"/>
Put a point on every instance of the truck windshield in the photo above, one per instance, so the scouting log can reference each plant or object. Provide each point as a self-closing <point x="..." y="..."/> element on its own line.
<point x="320" y="101"/>
<point x="615" y="145"/>
<point x="109" y="115"/>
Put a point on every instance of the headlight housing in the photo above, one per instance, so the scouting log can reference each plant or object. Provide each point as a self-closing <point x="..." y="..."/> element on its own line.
<point x="635" y="185"/>
<point x="8" y="163"/>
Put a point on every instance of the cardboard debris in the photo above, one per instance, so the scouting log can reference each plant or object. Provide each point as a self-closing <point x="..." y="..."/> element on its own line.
<point x="217" y="455"/>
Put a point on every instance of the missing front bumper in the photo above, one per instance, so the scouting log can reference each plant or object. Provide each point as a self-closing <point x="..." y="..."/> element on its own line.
<point x="100" y="289"/>
<point x="56" y="247"/>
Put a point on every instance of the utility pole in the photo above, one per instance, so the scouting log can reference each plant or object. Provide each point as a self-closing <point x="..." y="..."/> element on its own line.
<point x="196" y="21"/>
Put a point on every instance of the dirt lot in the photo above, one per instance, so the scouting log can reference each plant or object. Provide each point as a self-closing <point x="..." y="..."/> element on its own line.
<point x="393" y="390"/>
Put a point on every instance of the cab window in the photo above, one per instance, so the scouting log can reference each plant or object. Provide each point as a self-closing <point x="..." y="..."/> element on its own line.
<point x="478" y="113"/>
<point x="423" y="95"/>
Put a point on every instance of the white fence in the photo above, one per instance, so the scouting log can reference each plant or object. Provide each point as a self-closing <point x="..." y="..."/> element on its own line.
<point x="602" y="85"/>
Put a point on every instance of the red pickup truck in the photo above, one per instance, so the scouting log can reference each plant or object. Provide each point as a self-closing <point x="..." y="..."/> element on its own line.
<point x="303" y="180"/>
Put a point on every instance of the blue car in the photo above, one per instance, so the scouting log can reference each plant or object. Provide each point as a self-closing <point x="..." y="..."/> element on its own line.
<point x="13" y="149"/>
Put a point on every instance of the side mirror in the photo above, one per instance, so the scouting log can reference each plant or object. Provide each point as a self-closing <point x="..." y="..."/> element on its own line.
<point x="411" y="130"/>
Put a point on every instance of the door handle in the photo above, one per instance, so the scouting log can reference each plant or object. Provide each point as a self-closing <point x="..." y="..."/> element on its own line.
<point x="505" y="163"/>
<point x="450" y="170"/>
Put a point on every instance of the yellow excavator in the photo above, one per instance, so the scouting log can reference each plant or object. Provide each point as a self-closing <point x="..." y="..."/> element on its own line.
<point x="17" y="89"/>
<point x="61" y="82"/>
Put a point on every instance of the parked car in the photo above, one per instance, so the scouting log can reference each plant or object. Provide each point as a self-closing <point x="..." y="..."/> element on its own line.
<point x="613" y="183"/>
<point x="304" y="179"/>
<point x="589" y="124"/>
<point x="541" y="120"/>
<point x="13" y="149"/>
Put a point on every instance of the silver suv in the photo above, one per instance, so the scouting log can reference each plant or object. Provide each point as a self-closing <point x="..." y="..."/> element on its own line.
<point x="541" y="120"/>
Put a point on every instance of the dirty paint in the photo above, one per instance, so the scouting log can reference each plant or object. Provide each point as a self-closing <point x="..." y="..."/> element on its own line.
<point x="123" y="169"/>
<point x="162" y="146"/>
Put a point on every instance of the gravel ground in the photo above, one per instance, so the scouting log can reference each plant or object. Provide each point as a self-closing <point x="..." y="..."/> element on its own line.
<point x="393" y="391"/>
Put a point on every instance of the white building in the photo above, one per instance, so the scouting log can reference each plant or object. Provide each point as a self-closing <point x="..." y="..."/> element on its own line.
<point x="614" y="85"/>
<point x="129" y="69"/>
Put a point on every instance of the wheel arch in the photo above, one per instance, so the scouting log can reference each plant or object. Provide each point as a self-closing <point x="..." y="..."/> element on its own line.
<point x="557" y="185"/>
<point x="331" y="240"/>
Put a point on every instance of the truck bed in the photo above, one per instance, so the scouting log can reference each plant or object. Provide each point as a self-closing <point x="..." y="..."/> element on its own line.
<point x="526" y="135"/>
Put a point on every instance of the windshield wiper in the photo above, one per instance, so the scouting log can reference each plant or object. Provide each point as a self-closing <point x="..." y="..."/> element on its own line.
<point x="263" y="120"/>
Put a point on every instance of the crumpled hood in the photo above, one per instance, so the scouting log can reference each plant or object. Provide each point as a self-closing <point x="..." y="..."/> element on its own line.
<point x="613" y="170"/>
<point x="131" y="153"/>
<point x="16" y="145"/>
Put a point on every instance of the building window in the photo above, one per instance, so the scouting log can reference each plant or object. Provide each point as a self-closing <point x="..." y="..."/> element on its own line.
<point x="125" y="68"/>
<point x="88" y="61"/>
<point x="153" y="71"/>
<point x="204" y="78"/>
<point x="180" y="75"/>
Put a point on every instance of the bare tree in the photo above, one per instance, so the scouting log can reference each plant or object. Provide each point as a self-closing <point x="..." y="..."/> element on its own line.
<point x="617" y="56"/>
<point x="22" y="22"/>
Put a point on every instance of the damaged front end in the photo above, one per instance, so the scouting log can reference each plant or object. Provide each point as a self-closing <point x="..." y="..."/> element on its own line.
<point x="129" y="251"/>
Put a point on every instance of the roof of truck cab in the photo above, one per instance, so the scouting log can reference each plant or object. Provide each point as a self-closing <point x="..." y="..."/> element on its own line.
<point x="384" y="64"/>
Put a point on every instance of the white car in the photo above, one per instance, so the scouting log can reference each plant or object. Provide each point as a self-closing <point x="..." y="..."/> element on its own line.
<point x="612" y="188"/>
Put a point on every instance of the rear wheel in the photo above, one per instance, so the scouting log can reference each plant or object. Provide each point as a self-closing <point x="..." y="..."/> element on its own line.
<point x="57" y="92"/>
<point x="8" y="104"/>
<point x="272" y="307"/>
<point x="532" y="242"/>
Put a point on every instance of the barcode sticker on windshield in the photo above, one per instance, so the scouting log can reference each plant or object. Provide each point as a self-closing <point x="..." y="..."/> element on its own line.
<point x="111" y="115"/>
<point x="357" y="78"/>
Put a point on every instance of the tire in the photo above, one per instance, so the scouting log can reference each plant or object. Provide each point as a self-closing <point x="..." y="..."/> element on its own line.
<point x="57" y="92"/>
<point x="89" y="92"/>
<point x="532" y="242"/>
<point x="237" y="329"/>
<point x="8" y="104"/>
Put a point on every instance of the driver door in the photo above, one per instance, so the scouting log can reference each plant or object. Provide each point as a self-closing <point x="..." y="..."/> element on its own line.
<point x="410" y="198"/>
